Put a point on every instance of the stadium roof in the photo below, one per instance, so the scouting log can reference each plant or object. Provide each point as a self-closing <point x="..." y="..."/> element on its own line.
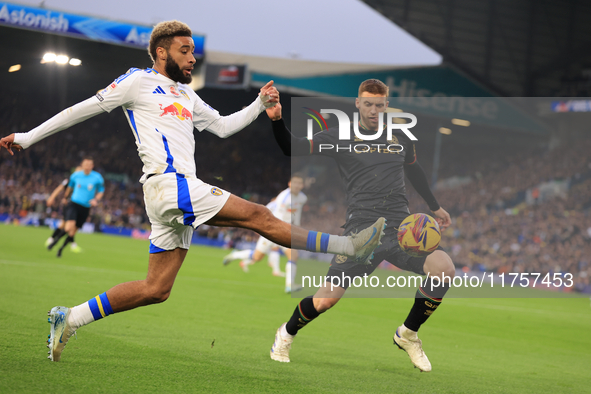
<point x="523" y="48"/>
<point x="291" y="67"/>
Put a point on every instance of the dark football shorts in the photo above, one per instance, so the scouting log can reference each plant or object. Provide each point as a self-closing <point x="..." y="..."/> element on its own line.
<point x="76" y="212"/>
<point x="389" y="250"/>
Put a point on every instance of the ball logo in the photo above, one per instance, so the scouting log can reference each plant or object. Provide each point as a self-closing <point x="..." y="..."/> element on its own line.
<point x="216" y="192"/>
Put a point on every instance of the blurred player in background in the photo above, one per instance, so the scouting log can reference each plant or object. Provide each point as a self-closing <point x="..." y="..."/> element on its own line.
<point x="375" y="187"/>
<point x="263" y="247"/>
<point x="87" y="188"/>
<point x="287" y="206"/>
<point x="51" y="207"/>
<point x="163" y="111"/>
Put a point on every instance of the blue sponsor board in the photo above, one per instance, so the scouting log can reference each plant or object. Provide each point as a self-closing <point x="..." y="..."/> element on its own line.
<point x="79" y="26"/>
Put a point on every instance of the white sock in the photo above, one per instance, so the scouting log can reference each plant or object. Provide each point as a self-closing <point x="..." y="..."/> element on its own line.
<point x="80" y="316"/>
<point x="290" y="273"/>
<point x="274" y="261"/>
<point x="409" y="333"/>
<point x="284" y="332"/>
<point x="339" y="244"/>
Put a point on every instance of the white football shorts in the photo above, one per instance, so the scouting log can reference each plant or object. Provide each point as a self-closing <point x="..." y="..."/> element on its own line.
<point x="176" y="205"/>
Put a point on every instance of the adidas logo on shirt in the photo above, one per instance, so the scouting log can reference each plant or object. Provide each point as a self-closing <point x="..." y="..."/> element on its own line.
<point x="159" y="90"/>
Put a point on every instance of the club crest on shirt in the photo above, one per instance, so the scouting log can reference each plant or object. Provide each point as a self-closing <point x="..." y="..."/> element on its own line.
<point x="184" y="94"/>
<point x="216" y="192"/>
<point x="340" y="259"/>
<point x="394" y="140"/>
<point x="174" y="92"/>
<point x="90" y="187"/>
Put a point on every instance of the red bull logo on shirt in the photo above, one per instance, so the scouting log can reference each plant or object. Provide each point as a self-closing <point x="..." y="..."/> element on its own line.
<point x="175" y="109"/>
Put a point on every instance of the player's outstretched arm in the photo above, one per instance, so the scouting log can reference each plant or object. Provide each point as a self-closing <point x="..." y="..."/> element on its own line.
<point x="416" y="175"/>
<point x="99" y="196"/>
<point x="442" y="218"/>
<point x="290" y="145"/>
<point x="226" y="126"/>
<point x="8" y="144"/>
<point x="67" y="118"/>
<point x="55" y="193"/>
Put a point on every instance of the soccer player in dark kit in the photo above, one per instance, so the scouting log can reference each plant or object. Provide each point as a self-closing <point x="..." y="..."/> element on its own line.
<point x="375" y="187"/>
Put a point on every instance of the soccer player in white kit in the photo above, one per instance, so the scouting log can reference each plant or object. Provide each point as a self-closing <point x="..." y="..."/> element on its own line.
<point x="287" y="206"/>
<point x="162" y="111"/>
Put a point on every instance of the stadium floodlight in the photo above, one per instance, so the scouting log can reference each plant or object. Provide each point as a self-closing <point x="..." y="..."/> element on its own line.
<point x="14" y="68"/>
<point x="460" y="122"/>
<point x="61" y="59"/>
<point x="445" y="130"/>
<point x="75" y="62"/>
<point x="48" y="57"/>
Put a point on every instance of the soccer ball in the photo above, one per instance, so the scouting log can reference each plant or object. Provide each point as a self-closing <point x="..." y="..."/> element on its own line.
<point x="419" y="235"/>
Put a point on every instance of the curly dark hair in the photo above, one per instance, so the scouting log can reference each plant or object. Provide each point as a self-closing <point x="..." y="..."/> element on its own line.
<point x="163" y="34"/>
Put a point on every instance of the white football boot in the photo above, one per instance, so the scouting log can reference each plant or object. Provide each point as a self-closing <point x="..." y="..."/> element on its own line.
<point x="60" y="331"/>
<point x="281" y="347"/>
<point x="366" y="241"/>
<point x="408" y="341"/>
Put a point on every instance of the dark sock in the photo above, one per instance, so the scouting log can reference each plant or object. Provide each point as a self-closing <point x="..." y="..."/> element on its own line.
<point x="57" y="234"/>
<point x="426" y="301"/>
<point x="303" y="314"/>
<point x="56" y="239"/>
<point x="67" y="241"/>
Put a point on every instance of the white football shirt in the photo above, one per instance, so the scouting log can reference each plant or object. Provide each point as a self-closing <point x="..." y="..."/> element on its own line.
<point x="161" y="113"/>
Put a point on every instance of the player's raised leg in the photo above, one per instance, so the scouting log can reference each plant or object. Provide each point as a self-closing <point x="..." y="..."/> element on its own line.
<point x="245" y="257"/>
<point x="57" y="234"/>
<point x="241" y="213"/>
<point x="162" y="270"/>
<point x="71" y="232"/>
<point x="427" y="299"/>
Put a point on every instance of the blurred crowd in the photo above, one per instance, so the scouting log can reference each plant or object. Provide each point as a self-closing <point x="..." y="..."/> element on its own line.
<point x="502" y="219"/>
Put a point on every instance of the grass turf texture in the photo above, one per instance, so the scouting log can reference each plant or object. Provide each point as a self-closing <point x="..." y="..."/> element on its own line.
<point x="475" y="345"/>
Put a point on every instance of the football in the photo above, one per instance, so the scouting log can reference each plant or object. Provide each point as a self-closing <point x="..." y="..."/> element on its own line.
<point x="419" y="235"/>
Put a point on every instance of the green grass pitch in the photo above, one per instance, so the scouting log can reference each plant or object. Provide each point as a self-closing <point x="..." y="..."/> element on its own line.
<point x="475" y="345"/>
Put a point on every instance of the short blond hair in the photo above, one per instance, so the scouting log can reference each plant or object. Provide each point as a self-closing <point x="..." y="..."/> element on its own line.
<point x="163" y="34"/>
<point x="374" y="86"/>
